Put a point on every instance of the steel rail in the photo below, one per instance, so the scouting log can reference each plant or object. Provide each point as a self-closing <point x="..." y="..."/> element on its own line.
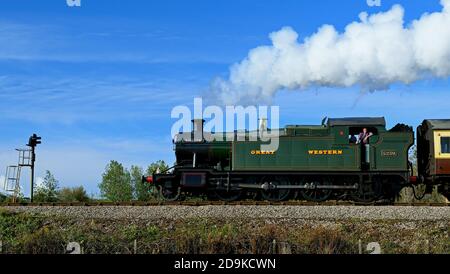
<point x="221" y="203"/>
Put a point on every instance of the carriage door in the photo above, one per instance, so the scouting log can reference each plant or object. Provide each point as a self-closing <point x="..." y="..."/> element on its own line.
<point x="442" y="151"/>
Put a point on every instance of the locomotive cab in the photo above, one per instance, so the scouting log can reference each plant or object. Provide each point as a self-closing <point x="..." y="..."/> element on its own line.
<point x="348" y="131"/>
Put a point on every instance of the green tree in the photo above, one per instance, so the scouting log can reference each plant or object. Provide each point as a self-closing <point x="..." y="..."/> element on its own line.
<point x="116" y="183"/>
<point x="75" y="194"/>
<point x="48" y="191"/>
<point x="153" y="168"/>
<point x="156" y="167"/>
<point x="142" y="190"/>
<point x="412" y="157"/>
<point x="145" y="191"/>
<point x="3" y="197"/>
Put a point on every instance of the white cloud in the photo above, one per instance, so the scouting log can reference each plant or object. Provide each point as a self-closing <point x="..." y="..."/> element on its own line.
<point x="72" y="99"/>
<point x="59" y="43"/>
<point x="373" y="53"/>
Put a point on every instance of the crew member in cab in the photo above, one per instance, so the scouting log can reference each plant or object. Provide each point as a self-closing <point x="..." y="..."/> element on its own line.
<point x="364" y="137"/>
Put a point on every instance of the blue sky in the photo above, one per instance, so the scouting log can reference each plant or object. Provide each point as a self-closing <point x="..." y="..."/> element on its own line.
<point x="98" y="82"/>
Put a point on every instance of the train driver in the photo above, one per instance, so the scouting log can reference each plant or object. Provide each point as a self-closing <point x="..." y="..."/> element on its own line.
<point x="364" y="136"/>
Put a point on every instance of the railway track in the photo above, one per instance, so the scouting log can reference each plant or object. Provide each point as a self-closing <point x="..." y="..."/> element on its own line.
<point x="221" y="203"/>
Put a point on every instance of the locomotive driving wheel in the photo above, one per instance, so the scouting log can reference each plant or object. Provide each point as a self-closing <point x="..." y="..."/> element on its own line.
<point x="225" y="192"/>
<point x="228" y="196"/>
<point x="368" y="191"/>
<point x="272" y="193"/>
<point x="314" y="194"/>
<point x="169" y="192"/>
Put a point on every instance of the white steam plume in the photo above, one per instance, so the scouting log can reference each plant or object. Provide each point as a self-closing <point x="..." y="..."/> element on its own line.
<point x="373" y="53"/>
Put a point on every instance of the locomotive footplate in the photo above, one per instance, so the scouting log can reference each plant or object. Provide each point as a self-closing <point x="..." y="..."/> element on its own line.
<point x="268" y="186"/>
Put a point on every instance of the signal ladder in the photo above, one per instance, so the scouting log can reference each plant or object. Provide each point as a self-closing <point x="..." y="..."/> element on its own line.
<point x="12" y="176"/>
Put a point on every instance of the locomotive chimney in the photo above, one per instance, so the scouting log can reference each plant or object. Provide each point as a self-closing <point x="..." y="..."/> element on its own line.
<point x="197" y="130"/>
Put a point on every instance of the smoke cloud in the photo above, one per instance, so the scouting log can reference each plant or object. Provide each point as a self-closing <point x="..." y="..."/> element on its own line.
<point x="372" y="53"/>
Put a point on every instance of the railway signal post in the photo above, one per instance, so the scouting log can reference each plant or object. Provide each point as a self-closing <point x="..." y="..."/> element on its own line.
<point x="33" y="142"/>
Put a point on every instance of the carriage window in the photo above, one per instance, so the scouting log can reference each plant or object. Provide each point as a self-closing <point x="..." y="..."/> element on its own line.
<point x="445" y="144"/>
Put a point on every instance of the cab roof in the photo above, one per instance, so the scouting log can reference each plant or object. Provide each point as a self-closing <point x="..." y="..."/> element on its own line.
<point x="357" y="121"/>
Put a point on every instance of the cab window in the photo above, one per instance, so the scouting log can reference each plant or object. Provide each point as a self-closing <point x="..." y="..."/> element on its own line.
<point x="445" y="145"/>
<point x="354" y="133"/>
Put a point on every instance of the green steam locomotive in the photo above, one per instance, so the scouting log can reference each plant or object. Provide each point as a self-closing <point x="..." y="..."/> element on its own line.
<point x="314" y="163"/>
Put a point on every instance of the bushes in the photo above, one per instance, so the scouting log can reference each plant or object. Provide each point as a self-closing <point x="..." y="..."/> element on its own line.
<point x="327" y="241"/>
<point x="407" y="195"/>
<point x="48" y="190"/>
<point x="43" y="241"/>
<point x="76" y="194"/>
<point x="15" y="227"/>
<point x="120" y="184"/>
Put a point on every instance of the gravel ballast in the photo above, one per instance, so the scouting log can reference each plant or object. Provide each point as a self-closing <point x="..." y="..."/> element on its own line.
<point x="411" y="213"/>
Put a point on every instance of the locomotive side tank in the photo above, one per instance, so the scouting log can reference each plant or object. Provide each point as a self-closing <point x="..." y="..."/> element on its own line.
<point x="330" y="148"/>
